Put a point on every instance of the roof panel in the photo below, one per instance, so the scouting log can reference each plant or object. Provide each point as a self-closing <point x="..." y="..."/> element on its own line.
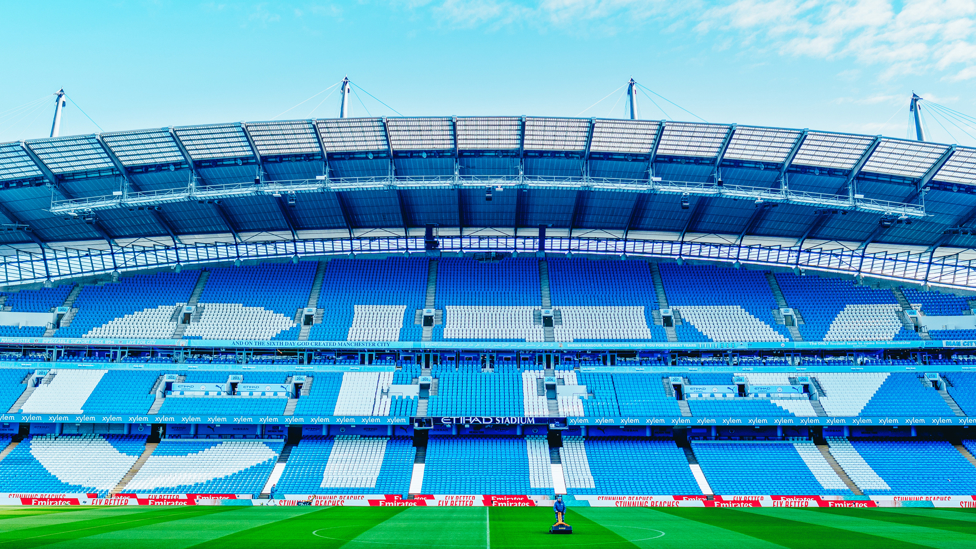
<point x="144" y="147"/>
<point x="556" y="134"/>
<point x="421" y="134"/>
<point x="218" y="141"/>
<point x="489" y="133"/>
<point x="685" y="139"/>
<point x="904" y="158"/>
<point x="78" y="153"/>
<point x="352" y="134"/>
<point x="761" y="144"/>
<point x="15" y="163"/>
<point x="624" y="136"/>
<point x="832" y="150"/>
<point x="278" y="138"/>
<point x="960" y="168"/>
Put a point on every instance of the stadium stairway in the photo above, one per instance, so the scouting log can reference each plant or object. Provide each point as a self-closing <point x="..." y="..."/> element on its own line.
<point x="430" y="299"/>
<point x="548" y="332"/>
<point x="950" y="402"/>
<point x="903" y="316"/>
<point x="417" y="475"/>
<point x="313" y="300"/>
<point x="28" y="390"/>
<point x="10" y="448"/>
<point x="662" y="300"/>
<point x="193" y="301"/>
<point x="279" y="467"/>
<point x="696" y="470"/>
<point x="556" y="464"/>
<point x="150" y="447"/>
<point x="782" y="304"/>
<point x="69" y="302"/>
<point x="958" y="446"/>
<point x="838" y="470"/>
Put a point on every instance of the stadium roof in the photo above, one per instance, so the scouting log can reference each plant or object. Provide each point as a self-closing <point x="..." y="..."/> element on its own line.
<point x="306" y="179"/>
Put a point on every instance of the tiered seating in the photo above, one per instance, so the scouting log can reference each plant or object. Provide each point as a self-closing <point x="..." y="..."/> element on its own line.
<point x="322" y="397"/>
<point x="854" y="465"/>
<point x="497" y="465"/>
<point x="602" y="401"/>
<point x="461" y="394"/>
<point x="918" y="467"/>
<point x="534" y="404"/>
<point x="359" y="391"/>
<point x="904" y="394"/>
<point x="207" y="467"/>
<point x="489" y="301"/>
<point x="625" y="466"/>
<point x="839" y="310"/>
<point x="11" y="386"/>
<point x="934" y="303"/>
<point x="736" y="407"/>
<point x="962" y="388"/>
<point x="253" y="302"/>
<point x="845" y="395"/>
<point x="79" y="464"/>
<point x="604" y="300"/>
<point x="349" y="465"/>
<point x="643" y="395"/>
<point x="22" y="331"/>
<point x="540" y="465"/>
<point x="723" y="304"/>
<point x="374" y="286"/>
<point x="800" y="407"/>
<point x="491" y="323"/>
<point x="224" y="405"/>
<point x="122" y="392"/>
<point x="952" y="334"/>
<point x="102" y="310"/>
<point x="598" y="323"/>
<point x="66" y="393"/>
<point x="41" y="300"/>
<point x="754" y="468"/>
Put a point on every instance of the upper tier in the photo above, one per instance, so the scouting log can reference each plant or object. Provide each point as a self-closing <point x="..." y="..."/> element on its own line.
<point x="582" y="300"/>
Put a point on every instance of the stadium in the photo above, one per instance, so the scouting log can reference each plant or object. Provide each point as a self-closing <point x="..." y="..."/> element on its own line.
<point x="462" y="312"/>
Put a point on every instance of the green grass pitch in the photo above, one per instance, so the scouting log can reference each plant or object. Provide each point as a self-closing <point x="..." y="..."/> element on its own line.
<point x="378" y="527"/>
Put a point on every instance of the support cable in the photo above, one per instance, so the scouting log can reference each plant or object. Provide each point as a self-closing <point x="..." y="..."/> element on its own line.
<point x="361" y="101"/>
<point x="73" y="102"/>
<point x="307" y="100"/>
<point x="374" y="97"/>
<point x="600" y="101"/>
<point x="320" y="102"/>
<point x="952" y="120"/>
<point x="651" y="99"/>
<point x="643" y="87"/>
<point x="610" y="114"/>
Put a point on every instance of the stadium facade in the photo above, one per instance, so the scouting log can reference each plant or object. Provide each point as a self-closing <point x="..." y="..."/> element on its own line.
<point x="487" y="310"/>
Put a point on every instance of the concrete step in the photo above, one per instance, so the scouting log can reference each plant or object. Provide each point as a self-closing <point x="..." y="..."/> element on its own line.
<point x="795" y="333"/>
<point x="777" y="291"/>
<point x="672" y="334"/>
<point x="662" y="298"/>
<point x="72" y="295"/>
<point x="817" y="407"/>
<point x="553" y="407"/>
<point x="696" y="471"/>
<point x="157" y="404"/>
<point x="313" y="295"/>
<point x="431" y="297"/>
<point x="951" y="403"/>
<point x="28" y="389"/>
<point x="685" y="409"/>
<point x="290" y="407"/>
<point x="422" y="407"/>
<point x="198" y="288"/>
<point x="544" y="284"/>
<point x="417" y="475"/>
<point x="962" y="450"/>
<point x="825" y="450"/>
<point x="6" y="451"/>
<point x="150" y="448"/>
<point x="279" y="467"/>
<point x="549" y="333"/>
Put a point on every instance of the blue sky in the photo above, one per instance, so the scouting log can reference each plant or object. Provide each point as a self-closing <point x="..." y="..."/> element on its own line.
<point x="845" y="66"/>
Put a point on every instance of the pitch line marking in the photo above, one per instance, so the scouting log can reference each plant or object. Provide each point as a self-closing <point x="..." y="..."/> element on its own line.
<point x="487" y="527"/>
<point x="316" y="534"/>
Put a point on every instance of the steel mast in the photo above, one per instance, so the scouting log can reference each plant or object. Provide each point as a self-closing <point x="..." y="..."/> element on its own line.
<point x="59" y="104"/>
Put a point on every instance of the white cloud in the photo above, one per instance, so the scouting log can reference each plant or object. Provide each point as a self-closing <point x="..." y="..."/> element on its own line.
<point x="897" y="37"/>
